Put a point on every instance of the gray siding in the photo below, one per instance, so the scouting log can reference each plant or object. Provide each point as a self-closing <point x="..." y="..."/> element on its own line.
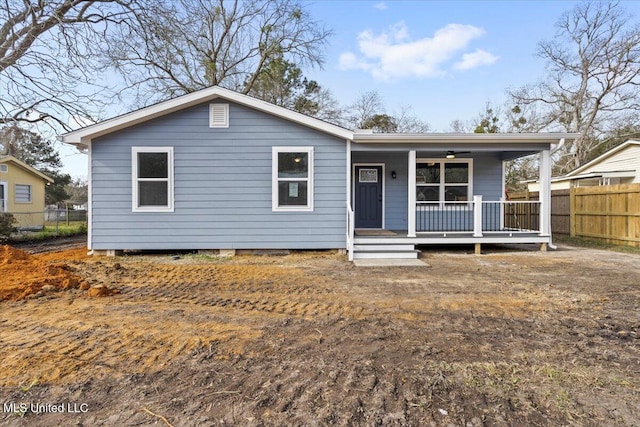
<point x="487" y="180"/>
<point x="222" y="185"/>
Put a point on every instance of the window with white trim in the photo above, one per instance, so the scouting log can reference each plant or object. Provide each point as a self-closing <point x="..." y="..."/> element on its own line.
<point x="22" y="193"/>
<point x="443" y="182"/>
<point x="152" y="176"/>
<point x="4" y="168"/>
<point x="292" y="178"/>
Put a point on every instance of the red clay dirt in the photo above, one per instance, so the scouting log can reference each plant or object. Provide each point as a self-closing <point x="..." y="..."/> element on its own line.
<point x="509" y="338"/>
<point x="24" y="275"/>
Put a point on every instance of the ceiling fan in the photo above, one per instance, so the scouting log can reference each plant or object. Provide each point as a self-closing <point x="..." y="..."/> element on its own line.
<point x="452" y="154"/>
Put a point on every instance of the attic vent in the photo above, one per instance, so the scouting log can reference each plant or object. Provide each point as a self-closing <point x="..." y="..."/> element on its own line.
<point x="4" y="168"/>
<point x="218" y="115"/>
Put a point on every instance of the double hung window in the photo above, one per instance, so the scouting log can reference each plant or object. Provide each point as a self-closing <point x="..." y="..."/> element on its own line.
<point x="152" y="172"/>
<point x="292" y="178"/>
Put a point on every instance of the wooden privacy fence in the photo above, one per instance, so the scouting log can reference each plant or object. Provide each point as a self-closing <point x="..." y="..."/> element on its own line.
<point x="608" y="213"/>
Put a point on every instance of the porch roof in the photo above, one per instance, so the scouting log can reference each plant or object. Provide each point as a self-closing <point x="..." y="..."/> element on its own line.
<point x="368" y="137"/>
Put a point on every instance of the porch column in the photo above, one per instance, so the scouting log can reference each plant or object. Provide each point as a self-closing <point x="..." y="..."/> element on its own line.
<point x="545" y="193"/>
<point x="411" y="191"/>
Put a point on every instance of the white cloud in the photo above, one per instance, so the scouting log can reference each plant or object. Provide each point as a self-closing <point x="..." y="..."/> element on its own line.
<point x="380" y="5"/>
<point x="394" y="54"/>
<point x="476" y="59"/>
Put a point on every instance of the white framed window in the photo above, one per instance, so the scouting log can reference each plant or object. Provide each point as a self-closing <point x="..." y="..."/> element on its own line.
<point x="4" y="168"/>
<point x="152" y="179"/>
<point x="218" y="115"/>
<point x="292" y="178"/>
<point x="22" y="193"/>
<point x="444" y="181"/>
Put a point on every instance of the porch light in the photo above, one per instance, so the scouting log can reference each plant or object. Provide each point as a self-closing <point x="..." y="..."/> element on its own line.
<point x="393" y="175"/>
<point x="451" y="155"/>
<point x="297" y="159"/>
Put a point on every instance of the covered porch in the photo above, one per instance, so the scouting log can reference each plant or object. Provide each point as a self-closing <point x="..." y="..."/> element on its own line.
<point x="442" y="189"/>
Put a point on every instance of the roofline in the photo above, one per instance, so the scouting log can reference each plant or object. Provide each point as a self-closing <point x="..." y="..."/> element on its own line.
<point x="603" y="156"/>
<point x="22" y="164"/>
<point x="462" y="138"/>
<point x="82" y="137"/>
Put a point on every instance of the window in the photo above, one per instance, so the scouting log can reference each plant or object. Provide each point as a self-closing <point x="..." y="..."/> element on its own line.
<point x="443" y="181"/>
<point x="4" y="168"/>
<point x="23" y="193"/>
<point x="152" y="173"/>
<point x="218" y="115"/>
<point x="292" y="178"/>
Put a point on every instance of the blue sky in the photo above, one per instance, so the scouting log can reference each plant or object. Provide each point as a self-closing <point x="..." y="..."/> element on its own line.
<point x="444" y="59"/>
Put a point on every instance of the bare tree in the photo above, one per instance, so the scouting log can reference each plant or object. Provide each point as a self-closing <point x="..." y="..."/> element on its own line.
<point x="368" y="112"/>
<point x="593" y="72"/>
<point x="45" y="58"/>
<point x="173" y="48"/>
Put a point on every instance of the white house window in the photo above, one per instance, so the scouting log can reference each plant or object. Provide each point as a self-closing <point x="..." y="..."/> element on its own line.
<point x="23" y="193"/>
<point x="218" y="115"/>
<point x="443" y="181"/>
<point x="152" y="173"/>
<point x="292" y="178"/>
<point x="4" y="168"/>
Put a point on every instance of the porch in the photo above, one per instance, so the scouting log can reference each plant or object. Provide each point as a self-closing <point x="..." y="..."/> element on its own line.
<point x="433" y="192"/>
<point x="475" y="222"/>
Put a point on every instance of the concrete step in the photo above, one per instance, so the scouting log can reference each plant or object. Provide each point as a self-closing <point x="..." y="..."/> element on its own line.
<point x="386" y="254"/>
<point x="379" y="247"/>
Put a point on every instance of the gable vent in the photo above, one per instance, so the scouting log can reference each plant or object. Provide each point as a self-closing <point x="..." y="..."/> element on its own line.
<point x="4" y="168"/>
<point x="218" y="115"/>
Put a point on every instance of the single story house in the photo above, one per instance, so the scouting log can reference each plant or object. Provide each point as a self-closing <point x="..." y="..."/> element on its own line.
<point x="216" y="169"/>
<point x="22" y="192"/>
<point x="620" y="165"/>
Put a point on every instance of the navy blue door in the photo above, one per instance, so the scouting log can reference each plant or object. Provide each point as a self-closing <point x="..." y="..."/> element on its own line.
<point x="368" y="197"/>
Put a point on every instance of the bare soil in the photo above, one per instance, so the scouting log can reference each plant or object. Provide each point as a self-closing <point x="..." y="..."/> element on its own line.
<point x="507" y="338"/>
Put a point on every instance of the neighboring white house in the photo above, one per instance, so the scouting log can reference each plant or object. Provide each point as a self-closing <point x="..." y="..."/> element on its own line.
<point x="620" y="165"/>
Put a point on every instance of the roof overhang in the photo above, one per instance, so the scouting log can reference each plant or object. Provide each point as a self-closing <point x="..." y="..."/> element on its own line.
<point x="23" y="165"/>
<point x="603" y="156"/>
<point x="81" y="138"/>
<point x="462" y="138"/>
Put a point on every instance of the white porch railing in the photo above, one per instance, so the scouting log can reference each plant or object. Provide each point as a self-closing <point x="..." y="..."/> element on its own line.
<point x="478" y="217"/>
<point x="351" y="230"/>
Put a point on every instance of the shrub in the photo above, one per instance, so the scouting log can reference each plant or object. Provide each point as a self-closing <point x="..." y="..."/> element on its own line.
<point x="7" y="221"/>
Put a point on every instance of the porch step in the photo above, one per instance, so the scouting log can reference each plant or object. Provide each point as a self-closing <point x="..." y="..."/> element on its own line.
<point x="386" y="255"/>
<point x="382" y="247"/>
<point x="378" y="250"/>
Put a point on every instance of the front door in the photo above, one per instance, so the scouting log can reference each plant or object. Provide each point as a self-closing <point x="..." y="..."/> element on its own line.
<point x="368" y="196"/>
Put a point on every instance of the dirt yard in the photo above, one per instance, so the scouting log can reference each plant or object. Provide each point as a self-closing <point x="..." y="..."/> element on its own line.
<point x="506" y="338"/>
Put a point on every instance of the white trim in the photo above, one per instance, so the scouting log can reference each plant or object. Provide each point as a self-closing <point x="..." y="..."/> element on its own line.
<point x="134" y="179"/>
<point x="545" y="193"/>
<point x="442" y="184"/>
<point x="384" y="183"/>
<point x="90" y="199"/>
<point x="462" y="138"/>
<point x="218" y="115"/>
<point x="5" y="199"/>
<point x="15" y="193"/>
<point x="411" y="193"/>
<point x="275" y="179"/>
<point x="83" y="136"/>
